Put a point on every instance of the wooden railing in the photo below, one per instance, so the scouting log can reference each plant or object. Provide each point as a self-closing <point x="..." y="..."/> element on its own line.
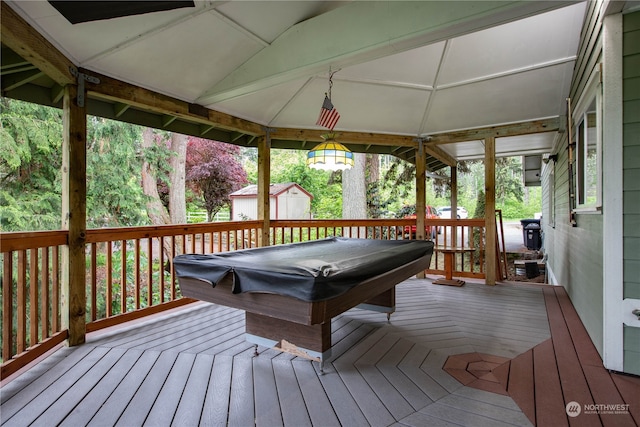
<point x="129" y="273"/>
<point x="468" y="233"/>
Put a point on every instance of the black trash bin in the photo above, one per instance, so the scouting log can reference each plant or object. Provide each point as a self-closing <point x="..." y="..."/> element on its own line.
<point x="524" y="223"/>
<point x="533" y="239"/>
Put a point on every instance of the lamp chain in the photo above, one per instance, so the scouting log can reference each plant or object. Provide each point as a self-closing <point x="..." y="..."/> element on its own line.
<point x="330" y="82"/>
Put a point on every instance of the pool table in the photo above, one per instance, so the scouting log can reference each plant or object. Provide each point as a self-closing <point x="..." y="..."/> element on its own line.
<point x="291" y="292"/>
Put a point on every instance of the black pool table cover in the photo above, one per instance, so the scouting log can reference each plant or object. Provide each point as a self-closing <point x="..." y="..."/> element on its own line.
<point x="310" y="271"/>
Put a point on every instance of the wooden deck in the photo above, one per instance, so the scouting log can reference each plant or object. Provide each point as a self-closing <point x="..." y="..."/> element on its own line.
<point x="191" y="367"/>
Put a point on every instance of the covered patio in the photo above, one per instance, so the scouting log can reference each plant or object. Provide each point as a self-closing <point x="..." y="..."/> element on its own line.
<point x="432" y="83"/>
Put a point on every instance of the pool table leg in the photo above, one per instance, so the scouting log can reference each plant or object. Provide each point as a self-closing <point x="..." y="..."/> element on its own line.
<point x="310" y="341"/>
<point x="383" y="303"/>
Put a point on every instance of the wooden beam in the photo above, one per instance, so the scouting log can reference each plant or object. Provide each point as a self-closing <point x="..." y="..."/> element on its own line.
<point x="421" y="187"/>
<point x="490" y="210"/>
<point x="204" y="129"/>
<point x="15" y="80"/>
<point x="441" y="155"/>
<point x="168" y="119"/>
<point x="454" y="204"/>
<point x="57" y="92"/>
<point x="524" y="128"/>
<point x="364" y="138"/>
<point x="119" y="108"/>
<point x="24" y="40"/>
<point x="118" y="91"/>
<point x="264" y="169"/>
<point x="74" y="216"/>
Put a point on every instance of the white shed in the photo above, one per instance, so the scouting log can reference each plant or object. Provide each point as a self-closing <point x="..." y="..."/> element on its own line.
<point x="287" y="200"/>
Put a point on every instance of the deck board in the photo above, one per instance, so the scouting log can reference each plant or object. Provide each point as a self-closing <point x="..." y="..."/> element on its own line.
<point x="130" y="379"/>
<point x="316" y="400"/>
<point x="216" y="405"/>
<point x="54" y="415"/>
<point x="389" y="367"/>
<point x="191" y="403"/>
<point x="550" y="405"/>
<point x="140" y="404"/>
<point x="574" y="385"/>
<point x="166" y="403"/>
<point x="241" y="401"/>
<point x="521" y="384"/>
<point x="629" y="388"/>
<point x="268" y="408"/>
<point x="194" y="367"/>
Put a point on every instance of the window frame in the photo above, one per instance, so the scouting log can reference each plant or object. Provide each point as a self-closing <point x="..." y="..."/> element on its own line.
<point x="589" y="103"/>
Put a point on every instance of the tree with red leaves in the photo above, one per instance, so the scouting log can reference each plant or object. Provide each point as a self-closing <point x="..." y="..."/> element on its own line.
<point x="213" y="172"/>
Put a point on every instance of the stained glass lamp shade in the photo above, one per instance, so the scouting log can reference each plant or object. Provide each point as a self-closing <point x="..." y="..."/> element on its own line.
<point x="330" y="155"/>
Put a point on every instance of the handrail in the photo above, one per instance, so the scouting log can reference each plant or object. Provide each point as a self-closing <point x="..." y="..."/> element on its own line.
<point x="129" y="270"/>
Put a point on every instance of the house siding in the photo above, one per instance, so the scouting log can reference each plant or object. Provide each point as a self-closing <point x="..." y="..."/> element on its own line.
<point x="631" y="180"/>
<point x="575" y="253"/>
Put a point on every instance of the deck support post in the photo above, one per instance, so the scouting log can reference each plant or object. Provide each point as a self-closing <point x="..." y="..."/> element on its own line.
<point x="74" y="216"/>
<point x="264" y="168"/>
<point x="454" y="204"/>
<point x="421" y="176"/>
<point x="490" y="256"/>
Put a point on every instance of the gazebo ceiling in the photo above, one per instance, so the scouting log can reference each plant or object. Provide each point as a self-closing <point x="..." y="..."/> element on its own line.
<point x="403" y="70"/>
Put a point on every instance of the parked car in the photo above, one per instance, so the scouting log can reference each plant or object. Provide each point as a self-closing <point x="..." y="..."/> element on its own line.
<point x="430" y="213"/>
<point x="445" y="212"/>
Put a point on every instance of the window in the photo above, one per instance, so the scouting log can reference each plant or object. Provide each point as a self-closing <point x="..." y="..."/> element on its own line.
<point x="588" y="131"/>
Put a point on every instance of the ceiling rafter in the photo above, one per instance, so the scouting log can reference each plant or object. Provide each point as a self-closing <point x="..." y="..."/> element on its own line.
<point x="18" y="79"/>
<point x="552" y="124"/>
<point x="29" y="44"/>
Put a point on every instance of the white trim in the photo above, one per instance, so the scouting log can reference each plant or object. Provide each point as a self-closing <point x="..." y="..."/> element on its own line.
<point x="612" y="195"/>
<point x="587" y="95"/>
<point x="589" y="210"/>
<point x="551" y="277"/>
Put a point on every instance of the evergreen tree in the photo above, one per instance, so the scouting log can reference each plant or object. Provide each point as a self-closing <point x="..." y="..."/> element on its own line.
<point x="30" y="161"/>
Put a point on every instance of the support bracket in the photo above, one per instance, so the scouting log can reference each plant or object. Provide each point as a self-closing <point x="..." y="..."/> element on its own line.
<point x="82" y="77"/>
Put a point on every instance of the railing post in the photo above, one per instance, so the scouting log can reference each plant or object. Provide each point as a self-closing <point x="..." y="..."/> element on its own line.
<point x="421" y="187"/>
<point x="74" y="200"/>
<point x="490" y="257"/>
<point x="454" y="204"/>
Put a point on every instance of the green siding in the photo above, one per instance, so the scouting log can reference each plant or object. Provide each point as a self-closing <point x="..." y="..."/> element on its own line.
<point x="631" y="88"/>
<point x="631" y="110"/>
<point x="575" y="253"/>
<point x="631" y="133"/>
<point x="631" y="183"/>
<point x="631" y="349"/>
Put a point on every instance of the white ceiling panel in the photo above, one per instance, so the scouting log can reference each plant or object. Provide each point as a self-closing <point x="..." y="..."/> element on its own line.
<point x="465" y="150"/>
<point x="397" y="109"/>
<point x="268" y="19"/>
<point x="514" y="98"/>
<point x="201" y="50"/>
<point x="419" y="68"/>
<point x="529" y="43"/>
<point x="86" y="40"/>
<point x="525" y="144"/>
<point x="276" y="106"/>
